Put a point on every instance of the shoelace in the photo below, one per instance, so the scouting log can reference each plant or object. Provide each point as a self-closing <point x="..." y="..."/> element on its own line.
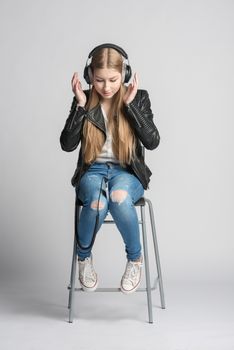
<point x="132" y="270"/>
<point x="89" y="270"/>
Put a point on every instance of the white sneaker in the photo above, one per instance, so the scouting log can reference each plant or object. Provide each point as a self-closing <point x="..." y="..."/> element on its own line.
<point x="132" y="276"/>
<point x="87" y="275"/>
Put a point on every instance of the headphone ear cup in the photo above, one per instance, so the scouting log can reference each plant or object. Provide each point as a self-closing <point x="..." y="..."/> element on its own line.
<point x="85" y="75"/>
<point x="88" y="75"/>
<point x="123" y="73"/>
<point x="128" y="73"/>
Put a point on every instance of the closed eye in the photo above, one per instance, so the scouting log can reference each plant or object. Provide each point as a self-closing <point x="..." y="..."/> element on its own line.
<point x="100" y="81"/>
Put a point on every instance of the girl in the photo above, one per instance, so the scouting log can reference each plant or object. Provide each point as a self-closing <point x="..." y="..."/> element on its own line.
<point x="111" y="121"/>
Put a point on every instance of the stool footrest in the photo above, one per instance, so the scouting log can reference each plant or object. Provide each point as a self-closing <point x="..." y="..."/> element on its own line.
<point x="112" y="289"/>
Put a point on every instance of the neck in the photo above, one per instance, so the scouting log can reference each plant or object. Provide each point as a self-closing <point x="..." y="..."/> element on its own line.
<point x="106" y="102"/>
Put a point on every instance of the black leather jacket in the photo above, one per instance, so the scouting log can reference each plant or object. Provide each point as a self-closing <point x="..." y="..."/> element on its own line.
<point x="140" y="118"/>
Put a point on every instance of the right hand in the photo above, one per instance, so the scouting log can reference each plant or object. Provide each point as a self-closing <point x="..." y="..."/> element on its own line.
<point x="77" y="89"/>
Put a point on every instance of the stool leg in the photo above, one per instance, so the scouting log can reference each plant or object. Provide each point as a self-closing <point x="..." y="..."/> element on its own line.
<point x="147" y="273"/>
<point x="156" y="252"/>
<point x="72" y="271"/>
<point x="72" y="284"/>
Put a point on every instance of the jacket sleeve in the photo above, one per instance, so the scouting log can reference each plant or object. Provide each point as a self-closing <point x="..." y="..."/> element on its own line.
<point x="141" y="119"/>
<point x="71" y="134"/>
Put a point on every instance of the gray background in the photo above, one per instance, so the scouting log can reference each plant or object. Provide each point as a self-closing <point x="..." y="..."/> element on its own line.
<point x="183" y="52"/>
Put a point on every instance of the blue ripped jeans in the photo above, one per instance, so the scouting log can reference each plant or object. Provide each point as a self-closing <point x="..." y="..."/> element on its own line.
<point x="121" y="190"/>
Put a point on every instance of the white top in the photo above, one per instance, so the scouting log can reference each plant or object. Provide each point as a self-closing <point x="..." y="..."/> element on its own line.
<point x="106" y="154"/>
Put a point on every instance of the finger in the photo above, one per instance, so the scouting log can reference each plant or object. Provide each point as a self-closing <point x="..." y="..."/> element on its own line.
<point x="137" y="79"/>
<point x="134" y="79"/>
<point x="133" y="84"/>
<point x="130" y="88"/>
<point x="79" y="85"/>
<point x="73" y="82"/>
<point x="74" y="76"/>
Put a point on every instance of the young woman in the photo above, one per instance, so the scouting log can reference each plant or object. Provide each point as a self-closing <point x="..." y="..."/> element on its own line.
<point x="111" y="121"/>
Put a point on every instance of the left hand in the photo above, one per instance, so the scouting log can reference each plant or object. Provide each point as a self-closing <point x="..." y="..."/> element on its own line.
<point x="131" y="90"/>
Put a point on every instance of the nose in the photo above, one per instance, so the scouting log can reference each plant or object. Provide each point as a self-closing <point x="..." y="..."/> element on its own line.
<point x="106" y="85"/>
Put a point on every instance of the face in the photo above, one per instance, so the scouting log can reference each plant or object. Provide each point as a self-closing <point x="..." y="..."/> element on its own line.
<point x="107" y="82"/>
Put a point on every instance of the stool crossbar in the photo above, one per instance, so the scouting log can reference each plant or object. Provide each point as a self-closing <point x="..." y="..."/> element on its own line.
<point x="149" y="288"/>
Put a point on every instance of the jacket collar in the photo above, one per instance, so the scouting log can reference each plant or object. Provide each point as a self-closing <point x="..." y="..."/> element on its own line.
<point x="96" y="117"/>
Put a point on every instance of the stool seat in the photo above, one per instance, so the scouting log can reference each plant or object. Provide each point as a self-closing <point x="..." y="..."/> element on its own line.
<point x="158" y="280"/>
<point x="140" y="202"/>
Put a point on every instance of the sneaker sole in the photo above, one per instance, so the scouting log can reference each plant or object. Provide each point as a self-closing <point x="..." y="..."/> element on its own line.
<point x="88" y="289"/>
<point x="125" y="291"/>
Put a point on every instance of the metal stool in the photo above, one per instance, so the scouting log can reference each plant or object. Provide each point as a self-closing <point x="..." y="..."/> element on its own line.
<point x="158" y="280"/>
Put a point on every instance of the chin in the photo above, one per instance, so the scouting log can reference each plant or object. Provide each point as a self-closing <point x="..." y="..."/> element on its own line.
<point x="107" y="97"/>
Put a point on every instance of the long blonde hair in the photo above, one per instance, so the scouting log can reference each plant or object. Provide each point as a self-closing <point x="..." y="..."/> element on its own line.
<point x="123" y="138"/>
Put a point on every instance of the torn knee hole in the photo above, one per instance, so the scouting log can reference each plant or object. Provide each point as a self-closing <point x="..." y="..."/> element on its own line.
<point x="95" y="205"/>
<point x="119" y="196"/>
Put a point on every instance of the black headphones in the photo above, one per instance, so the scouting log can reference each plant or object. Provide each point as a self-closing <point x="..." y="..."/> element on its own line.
<point x="127" y="71"/>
